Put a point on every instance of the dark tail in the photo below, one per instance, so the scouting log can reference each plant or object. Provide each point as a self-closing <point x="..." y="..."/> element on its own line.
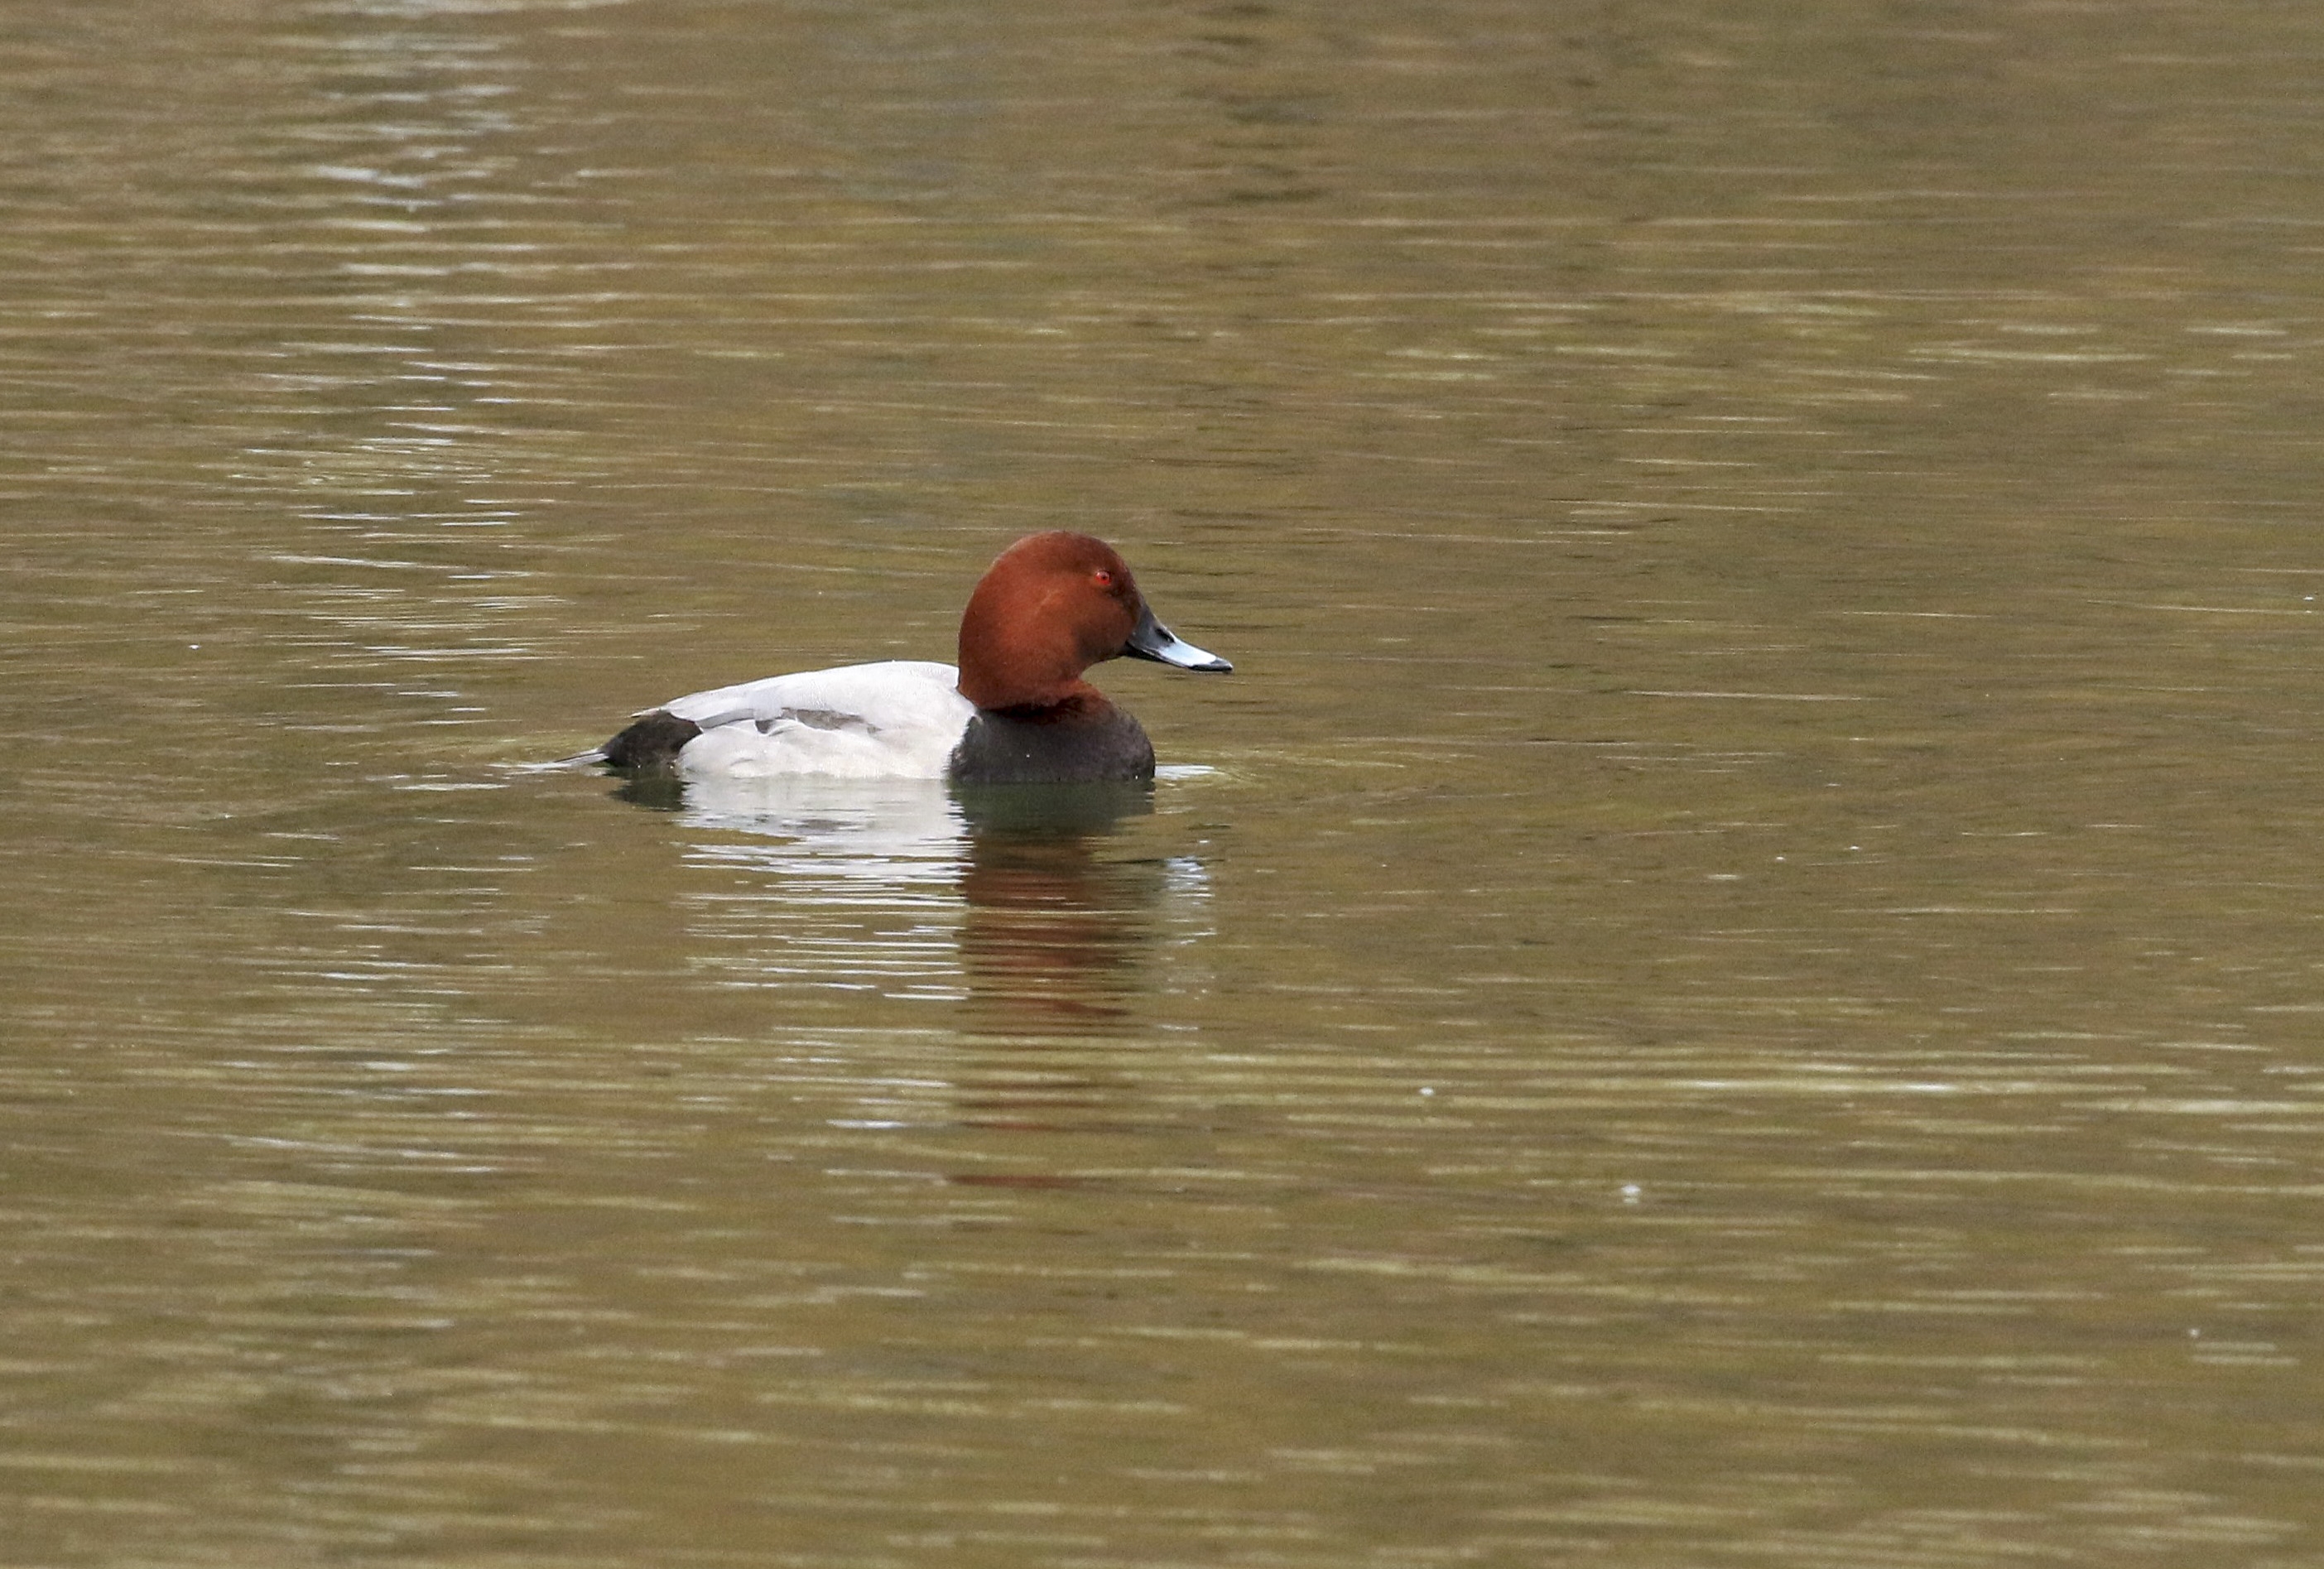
<point x="650" y="745"/>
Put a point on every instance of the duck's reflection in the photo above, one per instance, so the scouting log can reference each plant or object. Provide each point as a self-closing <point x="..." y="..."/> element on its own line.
<point x="1006" y="897"/>
<point x="857" y="830"/>
<point x="1055" y="930"/>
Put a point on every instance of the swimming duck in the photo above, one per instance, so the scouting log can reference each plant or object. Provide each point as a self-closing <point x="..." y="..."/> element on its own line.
<point x="1015" y="710"/>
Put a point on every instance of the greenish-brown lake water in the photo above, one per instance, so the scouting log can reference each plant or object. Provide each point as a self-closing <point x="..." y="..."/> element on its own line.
<point x="1737" y="977"/>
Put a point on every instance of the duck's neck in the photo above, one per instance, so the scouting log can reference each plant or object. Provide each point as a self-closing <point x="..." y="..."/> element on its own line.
<point x="1077" y="704"/>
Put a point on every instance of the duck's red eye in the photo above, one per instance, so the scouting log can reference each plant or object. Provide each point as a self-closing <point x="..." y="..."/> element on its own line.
<point x="1102" y="577"/>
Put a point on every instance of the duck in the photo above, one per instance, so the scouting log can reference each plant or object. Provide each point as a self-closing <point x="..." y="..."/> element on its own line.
<point x="1015" y="710"/>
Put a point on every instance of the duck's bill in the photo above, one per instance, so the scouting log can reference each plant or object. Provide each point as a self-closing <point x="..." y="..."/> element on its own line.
<point x="1150" y="640"/>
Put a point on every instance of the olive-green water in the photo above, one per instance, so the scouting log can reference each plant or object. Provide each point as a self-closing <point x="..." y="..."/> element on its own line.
<point x="1737" y="977"/>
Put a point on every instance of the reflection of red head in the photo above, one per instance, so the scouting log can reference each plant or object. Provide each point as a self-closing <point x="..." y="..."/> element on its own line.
<point x="1053" y="931"/>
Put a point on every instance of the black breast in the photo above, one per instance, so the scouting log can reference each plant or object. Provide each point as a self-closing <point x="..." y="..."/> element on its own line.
<point x="1050" y="748"/>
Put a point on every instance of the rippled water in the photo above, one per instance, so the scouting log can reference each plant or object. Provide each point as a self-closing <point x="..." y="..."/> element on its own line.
<point x="1733" y="978"/>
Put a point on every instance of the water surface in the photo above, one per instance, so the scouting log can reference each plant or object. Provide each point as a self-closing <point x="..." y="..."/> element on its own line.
<point x="1732" y="979"/>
